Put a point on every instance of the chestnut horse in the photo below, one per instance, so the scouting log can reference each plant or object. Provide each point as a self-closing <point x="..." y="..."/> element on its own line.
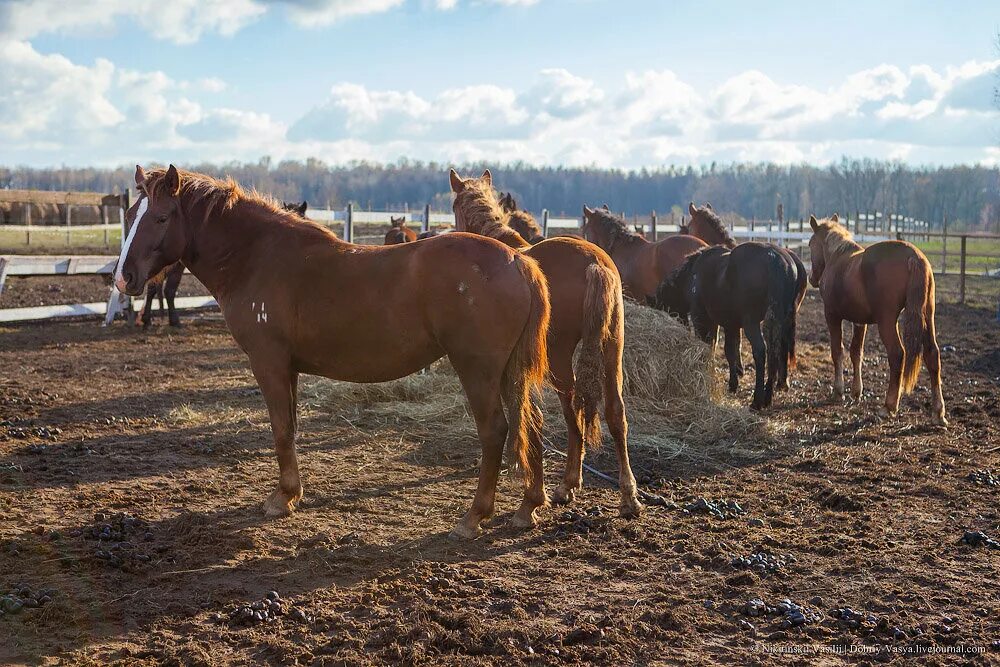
<point x="299" y="300"/>
<point x="706" y="224"/>
<point x="587" y="310"/>
<point x="399" y="232"/>
<point x="738" y="289"/>
<point x="521" y="222"/>
<point x="874" y="285"/>
<point x="642" y="265"/>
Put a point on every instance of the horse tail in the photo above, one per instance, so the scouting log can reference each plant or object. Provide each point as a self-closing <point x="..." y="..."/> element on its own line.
<point x="527" y="368"/>
<point x="602" y="314"/>
<point x="781" y="315"/>
<point x="919" y="287"/>
<point x="801" y="278"/>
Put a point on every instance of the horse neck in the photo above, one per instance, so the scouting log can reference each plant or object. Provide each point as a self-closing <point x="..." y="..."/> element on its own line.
<point x="846" y="247"/>
<point x="503" y="233"/>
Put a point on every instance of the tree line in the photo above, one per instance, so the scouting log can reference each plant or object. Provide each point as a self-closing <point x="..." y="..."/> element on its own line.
<point x="969" y="196"/>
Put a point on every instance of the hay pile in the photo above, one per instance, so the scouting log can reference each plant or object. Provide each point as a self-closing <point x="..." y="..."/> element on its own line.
<point x="675" y="402"/>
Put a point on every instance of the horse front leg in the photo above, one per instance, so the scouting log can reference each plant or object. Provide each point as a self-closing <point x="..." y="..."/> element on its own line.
<point x="279" y="385"/>
<point x="170" y="287"/>
<point x="759" y="348"/>
<point x="732" y="346"/>
<point x="835" y="324"/>
<point x="857" y="359"/>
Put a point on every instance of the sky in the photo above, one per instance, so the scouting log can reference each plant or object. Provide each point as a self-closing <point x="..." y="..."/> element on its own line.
<point x="608" y="83"/>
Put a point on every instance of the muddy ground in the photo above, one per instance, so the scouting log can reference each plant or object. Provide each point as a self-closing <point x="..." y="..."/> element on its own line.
<point x="132" y="468"/>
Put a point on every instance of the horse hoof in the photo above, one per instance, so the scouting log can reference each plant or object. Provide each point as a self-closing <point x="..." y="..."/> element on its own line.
<point x="521" y="521"/>
<point x="883" y="412"/>
<point x="464" y="532"/>
<point x="279" y="504"/>
<point x="563" y="495"/>
<point x="630" y="508"/>
<point x="940" y="420"/>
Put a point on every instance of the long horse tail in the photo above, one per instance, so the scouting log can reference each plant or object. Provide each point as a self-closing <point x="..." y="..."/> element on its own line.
<point x="527" y="368"/>
<point x="780" y="318"/>
<point x="918" y="314"/>
<point x="800" y="292"/>
<point x="602" y="315"/>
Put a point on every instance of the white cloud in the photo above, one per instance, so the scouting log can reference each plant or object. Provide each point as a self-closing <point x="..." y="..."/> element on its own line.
<point x="318" y="13"/>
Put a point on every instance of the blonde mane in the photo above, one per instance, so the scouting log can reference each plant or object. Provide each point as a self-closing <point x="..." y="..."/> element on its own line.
<point x="837" y="239"/>
<point x="483" y="214"/>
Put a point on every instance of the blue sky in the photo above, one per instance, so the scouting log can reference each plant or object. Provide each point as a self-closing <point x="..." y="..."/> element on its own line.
<point x="613" y="83"/>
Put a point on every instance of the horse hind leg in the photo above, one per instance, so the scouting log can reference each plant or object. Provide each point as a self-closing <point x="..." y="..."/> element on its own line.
<point x="534" y="490"/>
<point x="170" y="287"/>
<point x="614" y="415"/>
<point x="889" y="333"/>
<point x="562" y="379"/>
<point x="835" y="325"/>
<point x="491" y="425"/>
<point x="932" y="360"/>
<point x="732" y="346"/>
<point x="759" y="348"/>
<point x="857" y="359"/>
<point x="147" y="307"/>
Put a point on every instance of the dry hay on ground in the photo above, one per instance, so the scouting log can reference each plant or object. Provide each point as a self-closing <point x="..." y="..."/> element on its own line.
<point x="676" y="407"/>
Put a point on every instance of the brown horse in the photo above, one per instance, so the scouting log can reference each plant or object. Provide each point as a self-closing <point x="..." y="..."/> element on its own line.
<point x="163" y="286"/>
<point x="521" y="222"/>
<point x="873" y="286"/>
<point x="587" y="310"/>
<point x="299" y="300"/>
<point x="296" y="207"/>
<point x="642" y="265"/>
<point x="399" y="232"/>
<point x="707" y="226"/>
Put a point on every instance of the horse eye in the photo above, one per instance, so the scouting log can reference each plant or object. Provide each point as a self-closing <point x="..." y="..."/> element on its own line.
<point x="162" y="218"/>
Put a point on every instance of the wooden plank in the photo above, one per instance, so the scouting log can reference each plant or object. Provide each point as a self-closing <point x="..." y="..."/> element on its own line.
<point x="53" y="265"/>
<point x="88" y="309"/>
<point x="54" y="228"/>
<point x="54" y="197"/>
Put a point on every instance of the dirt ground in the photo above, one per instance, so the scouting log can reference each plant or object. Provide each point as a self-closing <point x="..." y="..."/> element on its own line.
<point x="133" y="467"/>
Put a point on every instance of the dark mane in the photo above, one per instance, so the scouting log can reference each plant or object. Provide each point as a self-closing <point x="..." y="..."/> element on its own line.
<point x="713" y="220"/>
<point x="616" y="227"/>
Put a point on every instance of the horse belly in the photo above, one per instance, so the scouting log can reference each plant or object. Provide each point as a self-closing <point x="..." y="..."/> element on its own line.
<point x="368" y="358"/>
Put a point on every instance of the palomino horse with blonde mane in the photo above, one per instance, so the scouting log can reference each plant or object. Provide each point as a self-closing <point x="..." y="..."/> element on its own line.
<point x="587" y="310"/>
<point x="643" y="265"/>
<point x="874" y="285"/>
<point x="299" y="300"/>
<point x="399" y="232"/>
<point x="521" y="222"/>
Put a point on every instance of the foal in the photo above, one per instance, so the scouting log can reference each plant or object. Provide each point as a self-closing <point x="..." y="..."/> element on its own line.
<point x="587" y="311"/>
<point x="874" y="285"/>
<point x="521" y="222"/>
<point x="299" y="300"/>
<point x="738" y="289"/>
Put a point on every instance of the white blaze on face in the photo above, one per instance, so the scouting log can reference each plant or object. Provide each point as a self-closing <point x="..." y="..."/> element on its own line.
<point x="141" y="211"/>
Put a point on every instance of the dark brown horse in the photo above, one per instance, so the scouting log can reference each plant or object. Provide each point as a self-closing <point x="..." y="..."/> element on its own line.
<point x="873" y="286"/>
<point x="521" y="222"/>
<point x="399" y="232"/>
<point x="299" y="300"/>
<point x="738" y="289"/>
<point x="707" y="226"/>
<point x="642" y="265"/>
<point x="163" y="286"/>
<point x="587" y="310"/>
<point x="296" y="207"/>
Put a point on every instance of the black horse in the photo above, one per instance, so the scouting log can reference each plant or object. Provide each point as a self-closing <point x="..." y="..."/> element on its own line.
<point x="296" y="207"/>
<point x="736" y="289"/>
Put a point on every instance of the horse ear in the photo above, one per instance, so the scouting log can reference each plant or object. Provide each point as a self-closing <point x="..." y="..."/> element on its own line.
<point x="457" y="184"/>
<point x="708" y="205"/>
<point x="587" y="211"/>
<point x="140" y="175"/>
<point x="173" y="181"/>
<point x="813" y="223"/>
<point x="835" y="217"/>
<point x="488" y="177"/>
<point x="692" y="209"/>
<point x="606" y="208"/>
<point x="301" y="208"/>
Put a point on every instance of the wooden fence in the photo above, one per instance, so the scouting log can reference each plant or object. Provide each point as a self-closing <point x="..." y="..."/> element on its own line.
<point x="112" y="212"/>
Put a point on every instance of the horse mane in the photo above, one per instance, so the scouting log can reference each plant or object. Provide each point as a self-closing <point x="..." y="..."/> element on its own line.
<point x="837" y="238"/>
<point x="483" y="213"/>
<point x="718" y="226"/>
<point x="616" y="227"/>
<point x="527" y="221"/>
<point x="223" y="195"/>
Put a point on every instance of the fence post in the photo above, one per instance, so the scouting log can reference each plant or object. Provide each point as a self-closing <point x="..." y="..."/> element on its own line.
<point x="944" y="246"/>
<point x="27" y="223"/>
<point x="545" y="222"/>
<point x="104" y="221"/>
<point x="652" y="223"/>
<point x="425" y="226"/>
<point x="583" y="216"/>
<point x="349" y="224"/>
<point x="802" y="224"/>
<point x="961" y="277"/>
<point x="857" y="222"/>
<point x="69" y="209"/>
